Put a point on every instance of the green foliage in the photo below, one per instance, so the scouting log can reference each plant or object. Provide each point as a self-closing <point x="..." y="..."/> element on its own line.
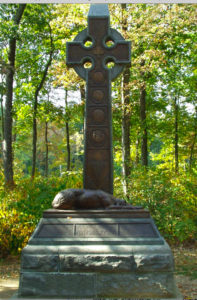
<point x="15" y="230"/>
<point x="171" y="199"/>
<point x="21" y="208"/>
<point x="163" y="59"/>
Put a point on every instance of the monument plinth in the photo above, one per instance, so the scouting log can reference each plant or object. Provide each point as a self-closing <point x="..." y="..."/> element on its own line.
<point x="94" y="254"/>
<point x="102" y="253"/>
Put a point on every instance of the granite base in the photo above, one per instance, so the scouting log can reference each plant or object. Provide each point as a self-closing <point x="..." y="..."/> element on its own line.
<point x="97" y="255"/>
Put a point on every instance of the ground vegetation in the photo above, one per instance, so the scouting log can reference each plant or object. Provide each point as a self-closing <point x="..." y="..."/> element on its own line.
<point x="154" y="115"/>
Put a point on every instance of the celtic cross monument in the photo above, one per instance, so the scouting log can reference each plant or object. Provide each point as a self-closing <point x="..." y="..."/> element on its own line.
<point x="91" y="252"/>
<point x="106" y="45"/>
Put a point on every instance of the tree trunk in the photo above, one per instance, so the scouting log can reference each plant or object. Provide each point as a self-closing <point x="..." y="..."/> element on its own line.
<point x="192" y="151"/>
<point x="83" y="98"/>
<point x="144" y="138"/>
<point x="34" y="142"/>
<point x="126" y="118"/>
<point x="193" y="143"/>
<point x="2" y="122"/>
<point x="46" y="150"/>
<point x="176" y="135"/>
<point x="67" y="131"/>
<point x="137" y="151"/>
<point x="7" y="143"/>
<point x="126" y="113"/>
<point x="2" y="118"/>
<point x="82" y="92"/>
<point x="35" y="106"/>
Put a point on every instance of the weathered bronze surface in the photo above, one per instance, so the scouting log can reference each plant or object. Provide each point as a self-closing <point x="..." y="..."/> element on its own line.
<point x="101" y="227"/>
<point x="101" y="213"/>
<point x="88" y="199"/>
<point x="98" y="158"/>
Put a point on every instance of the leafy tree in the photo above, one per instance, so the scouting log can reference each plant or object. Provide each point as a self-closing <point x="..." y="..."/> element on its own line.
<point x="67" y="27"/>
<point x="16" y="15"/>
<point x="162" y="49"/>
<point x="34" y="59"/>
<point x="126" y="113"/>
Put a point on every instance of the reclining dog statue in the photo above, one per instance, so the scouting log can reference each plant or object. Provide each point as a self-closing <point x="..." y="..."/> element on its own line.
<point x="87" y="199"/>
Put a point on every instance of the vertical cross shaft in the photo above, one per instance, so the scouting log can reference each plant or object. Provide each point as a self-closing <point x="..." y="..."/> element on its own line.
<point x="98" y="158"/>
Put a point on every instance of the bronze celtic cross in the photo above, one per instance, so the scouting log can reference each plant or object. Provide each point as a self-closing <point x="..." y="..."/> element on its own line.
<point x="98" y="158"/>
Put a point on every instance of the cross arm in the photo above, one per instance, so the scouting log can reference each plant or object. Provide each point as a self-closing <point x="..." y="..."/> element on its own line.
<point x="76" y="53"/>
<point x="121" y="52"/>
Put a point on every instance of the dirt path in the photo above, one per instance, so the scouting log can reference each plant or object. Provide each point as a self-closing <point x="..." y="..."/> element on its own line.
<point x="185" y="273"/>
<point x="8" y="287"/>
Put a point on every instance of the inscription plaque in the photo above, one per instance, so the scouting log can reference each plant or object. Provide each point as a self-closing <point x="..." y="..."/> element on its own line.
<point x="56" y="230"/>
<point x="101" y="230"/>
<point x="136" y="230"/>
<point x="97" y="230"/>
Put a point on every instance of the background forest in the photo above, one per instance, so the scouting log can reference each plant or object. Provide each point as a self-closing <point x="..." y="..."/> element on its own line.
<point x="42" y="115"/>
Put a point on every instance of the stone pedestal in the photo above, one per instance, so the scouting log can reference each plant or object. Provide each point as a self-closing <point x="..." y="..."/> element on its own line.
<point x="97" y="254"/>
